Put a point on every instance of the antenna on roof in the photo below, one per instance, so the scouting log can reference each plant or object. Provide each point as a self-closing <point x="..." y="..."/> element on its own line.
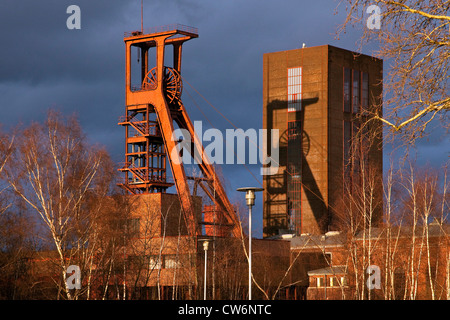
<point x="142" y="16"/>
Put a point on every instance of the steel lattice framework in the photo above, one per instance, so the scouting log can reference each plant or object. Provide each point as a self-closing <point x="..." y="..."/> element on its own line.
<point x="151" y="111"/>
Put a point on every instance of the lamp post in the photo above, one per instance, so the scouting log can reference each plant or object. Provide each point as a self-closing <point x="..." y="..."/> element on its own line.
<point x="205" y="247"/>
<point x="250" y="200"/>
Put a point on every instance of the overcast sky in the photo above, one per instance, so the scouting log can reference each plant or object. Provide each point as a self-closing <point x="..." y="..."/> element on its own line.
<point x="45" y="65"/>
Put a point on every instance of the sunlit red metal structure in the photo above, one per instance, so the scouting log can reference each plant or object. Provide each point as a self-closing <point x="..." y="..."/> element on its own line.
<point x="152" y="109"/>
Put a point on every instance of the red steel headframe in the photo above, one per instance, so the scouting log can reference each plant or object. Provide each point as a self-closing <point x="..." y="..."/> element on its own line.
<point x="160" y="95"/>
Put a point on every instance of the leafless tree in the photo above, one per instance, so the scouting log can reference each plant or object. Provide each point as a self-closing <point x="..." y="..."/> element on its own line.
<point x="6" y="145"/>
<point x="413" y="38"/>
<point x="424" y="200"/>
<point x="105" y="270"/>
<point x="391" y="235"/>
<point x="58" y="175"/>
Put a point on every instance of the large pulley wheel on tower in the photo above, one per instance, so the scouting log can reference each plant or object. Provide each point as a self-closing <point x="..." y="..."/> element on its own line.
<point x="172" y="83"/>
<point x="150" y="81"/>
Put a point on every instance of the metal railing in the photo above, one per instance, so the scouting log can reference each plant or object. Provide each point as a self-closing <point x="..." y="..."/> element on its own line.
<point x="159" y="29"/>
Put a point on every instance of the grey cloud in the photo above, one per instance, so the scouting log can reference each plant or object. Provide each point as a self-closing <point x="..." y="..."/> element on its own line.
<point x="43" y="64"/>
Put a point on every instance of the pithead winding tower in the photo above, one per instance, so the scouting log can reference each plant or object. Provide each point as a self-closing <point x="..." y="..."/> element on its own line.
<point x="153" y="106"/>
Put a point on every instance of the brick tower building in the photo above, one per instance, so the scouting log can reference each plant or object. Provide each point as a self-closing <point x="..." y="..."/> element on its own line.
<point x="319" y="99"/>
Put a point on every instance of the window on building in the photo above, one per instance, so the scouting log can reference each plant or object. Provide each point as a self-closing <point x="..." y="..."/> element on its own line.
<point x="356" y="100"/>
<point x="294" y="180"/>
<point x="355" y="91"/>
<point x="294" y="130"/>
<point x="356" y="147"/>
<point x="328" y="257"/>
<point x="344" y="281"/>
<point x="333" y="282"/>
<point x="320" y="282"/>
<point x="347" y="148"/>
<point x="365" y="148"/>
<point x="155" y="262"/>
<point x="347" y="89"/>
<point x="294" y="89"/>
<point x="171" y="261"/>
<point x="365" y="91"/>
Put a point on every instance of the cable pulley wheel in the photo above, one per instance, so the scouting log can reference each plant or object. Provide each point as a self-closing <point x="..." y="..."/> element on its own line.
<point x="172" y="83"/>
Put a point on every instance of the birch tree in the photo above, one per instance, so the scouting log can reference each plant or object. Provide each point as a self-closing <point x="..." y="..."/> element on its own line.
<point x="56" y="173"/>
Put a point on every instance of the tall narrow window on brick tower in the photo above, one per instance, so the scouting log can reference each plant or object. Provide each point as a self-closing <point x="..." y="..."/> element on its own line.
<point x="294" y="89"/>
<point x="347" y="150"/>
<point x="365" y="91"/>
<point x="356" y="91"/>
<point x="347" y="89"/>
<point x="294" y="178"/>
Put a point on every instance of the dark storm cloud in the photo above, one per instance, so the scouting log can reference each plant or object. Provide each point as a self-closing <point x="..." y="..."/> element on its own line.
<point x="44" y="65"/>
<point x="233" y="38"/>
<point x="38" y="47"/>
<point x="225" y="63"/>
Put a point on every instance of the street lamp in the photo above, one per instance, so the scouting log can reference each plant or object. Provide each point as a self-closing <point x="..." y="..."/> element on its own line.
<point x="205" y="247"/>
<point x="250" y="200"/>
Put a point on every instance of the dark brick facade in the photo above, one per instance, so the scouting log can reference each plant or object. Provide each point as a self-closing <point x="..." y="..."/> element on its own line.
<point x="321" y="119"/>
